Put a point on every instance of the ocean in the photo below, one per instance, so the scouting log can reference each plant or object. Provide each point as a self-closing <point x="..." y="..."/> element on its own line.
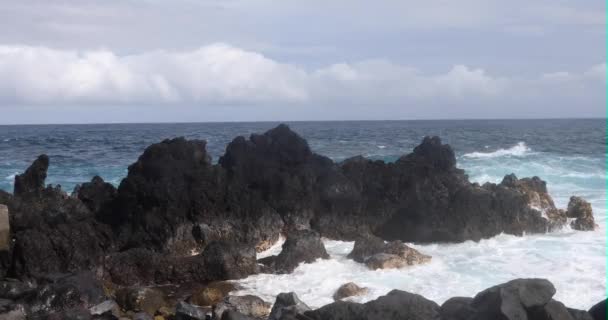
<point x="569" y="154"/>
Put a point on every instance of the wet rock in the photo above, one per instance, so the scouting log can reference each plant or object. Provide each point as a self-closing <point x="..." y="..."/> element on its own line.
<point x="301" y="246"/>
<point x="348" y="290"/>
<point x="598" y="311"/>
<point x="457" y="308"/>
<point x="16" y="312"/>
<point x="148" y="300"/>
<point x="248" y="305"/>
<point x="225" y="261"/>
<point x="71" y="314"/>
<point x="186" y="311"/>
<point x="14" y="289"/>
<point x="581" y="210"/>
<point x="339" y="310"/>
<point x="287" y="305"/>
<point x="212" y="293"/>
<point x="377" y="254"/>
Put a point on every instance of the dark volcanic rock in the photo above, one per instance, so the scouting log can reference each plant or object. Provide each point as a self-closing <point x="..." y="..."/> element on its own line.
<point x="235" y="315"/>
<point x="457" y="308"/>
<point x="395" y="305"/>
<point x="598" y="311"/>
<point x="186" y="311"/>
<point x="97" y="195"/>
<point x="248" y="305"/>
<point x="513" y="300"/>
<point x="287" y="305"/>
<point x="377" y="254"/>
<point x="32" y="180"/>
<point x="581" y="210"/>
<point x="300" y="246"/>
<point x="348" y="290"/>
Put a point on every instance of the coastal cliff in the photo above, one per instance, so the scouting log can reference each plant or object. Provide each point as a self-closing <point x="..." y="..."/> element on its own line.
<point x="179" y="218"/>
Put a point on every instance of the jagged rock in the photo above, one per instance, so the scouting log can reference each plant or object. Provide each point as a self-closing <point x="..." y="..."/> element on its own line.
<point x="377" y="254"/>
<point x="65" y="293"/>
<point x="348" y="290"/>
<point x="300" y="246"/>
<point x="32" y="180"/>
<point x="147" y="300"/>
<point x="186" y="311"/>
<point x="339" y="310"/>
<point x="248" y="305"/>
<point x="287" y="305"/>
<point x="457" y="308"/>
<point x="97" y="195"/>
<point x="581" y="210"/>
<point x="212" y="293"/>
<point x="219" y="261"/>
<point x="5" y="229"/>
<point x="14" y="289"/>
<point x="598" y="311"/>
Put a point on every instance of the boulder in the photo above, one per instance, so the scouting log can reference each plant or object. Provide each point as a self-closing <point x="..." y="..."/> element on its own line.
<point x="457" y="308"/>
<point x="287" y="305"/>
<point x="579" y="314"/>
<point x="224" y="261"/>
<point x="513" y="300"/>
<point x="395" y="305"/>
<point x="348" y="290"/>
<point x="377" y="254"/>
<point x="300" y="246"/>
<point x="108" y="307"/>
<point x="248" y="305"/>
<point x="581" y="210"/>
<point x="598" y="311"/>
<point x="186" y="311"/>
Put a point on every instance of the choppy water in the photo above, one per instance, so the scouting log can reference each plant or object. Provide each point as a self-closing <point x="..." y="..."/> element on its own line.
<point x="569" y="154"/>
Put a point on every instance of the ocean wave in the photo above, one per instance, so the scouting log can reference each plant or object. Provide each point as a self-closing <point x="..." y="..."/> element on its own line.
<point x="518" y="150"/>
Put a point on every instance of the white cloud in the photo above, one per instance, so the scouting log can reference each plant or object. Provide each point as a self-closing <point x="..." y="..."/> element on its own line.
<point x="220" y="74"/>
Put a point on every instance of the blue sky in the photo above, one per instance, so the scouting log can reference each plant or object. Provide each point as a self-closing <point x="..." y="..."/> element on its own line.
<point x="231" y="60"/>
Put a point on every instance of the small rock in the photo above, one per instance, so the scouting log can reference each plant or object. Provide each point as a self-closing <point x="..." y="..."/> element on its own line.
<point x="377" y="254"/>
<point x="300" y="246"/>
<point x="186" y="311"/>
<point x="248" y="305"/>
<point x="348" y="290"/>
<point x="142" y="316"/>
<point x="106" y="307"/>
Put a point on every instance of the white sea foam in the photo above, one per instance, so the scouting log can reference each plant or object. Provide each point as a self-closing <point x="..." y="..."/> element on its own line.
<point x="573" y="261"/>
<point x="518" y="150"/>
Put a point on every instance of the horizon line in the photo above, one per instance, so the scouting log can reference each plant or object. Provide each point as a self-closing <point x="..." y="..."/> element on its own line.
<point x="292" y="121"/>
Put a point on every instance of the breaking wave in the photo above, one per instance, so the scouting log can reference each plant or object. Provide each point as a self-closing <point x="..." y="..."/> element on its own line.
<point x="518" y="150"/>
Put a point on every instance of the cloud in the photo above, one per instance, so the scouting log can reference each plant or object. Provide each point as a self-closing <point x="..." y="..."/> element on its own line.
<point x="220" y="74"/>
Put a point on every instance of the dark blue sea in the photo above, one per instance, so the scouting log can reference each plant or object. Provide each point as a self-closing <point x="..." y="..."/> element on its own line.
<point x="569" y="154"/>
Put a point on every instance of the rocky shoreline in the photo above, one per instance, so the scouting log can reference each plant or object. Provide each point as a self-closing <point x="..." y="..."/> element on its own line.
<point x="180" y="223"/>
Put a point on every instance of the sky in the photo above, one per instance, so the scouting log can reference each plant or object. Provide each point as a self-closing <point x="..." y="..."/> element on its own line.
<point x="98" y="61"/>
